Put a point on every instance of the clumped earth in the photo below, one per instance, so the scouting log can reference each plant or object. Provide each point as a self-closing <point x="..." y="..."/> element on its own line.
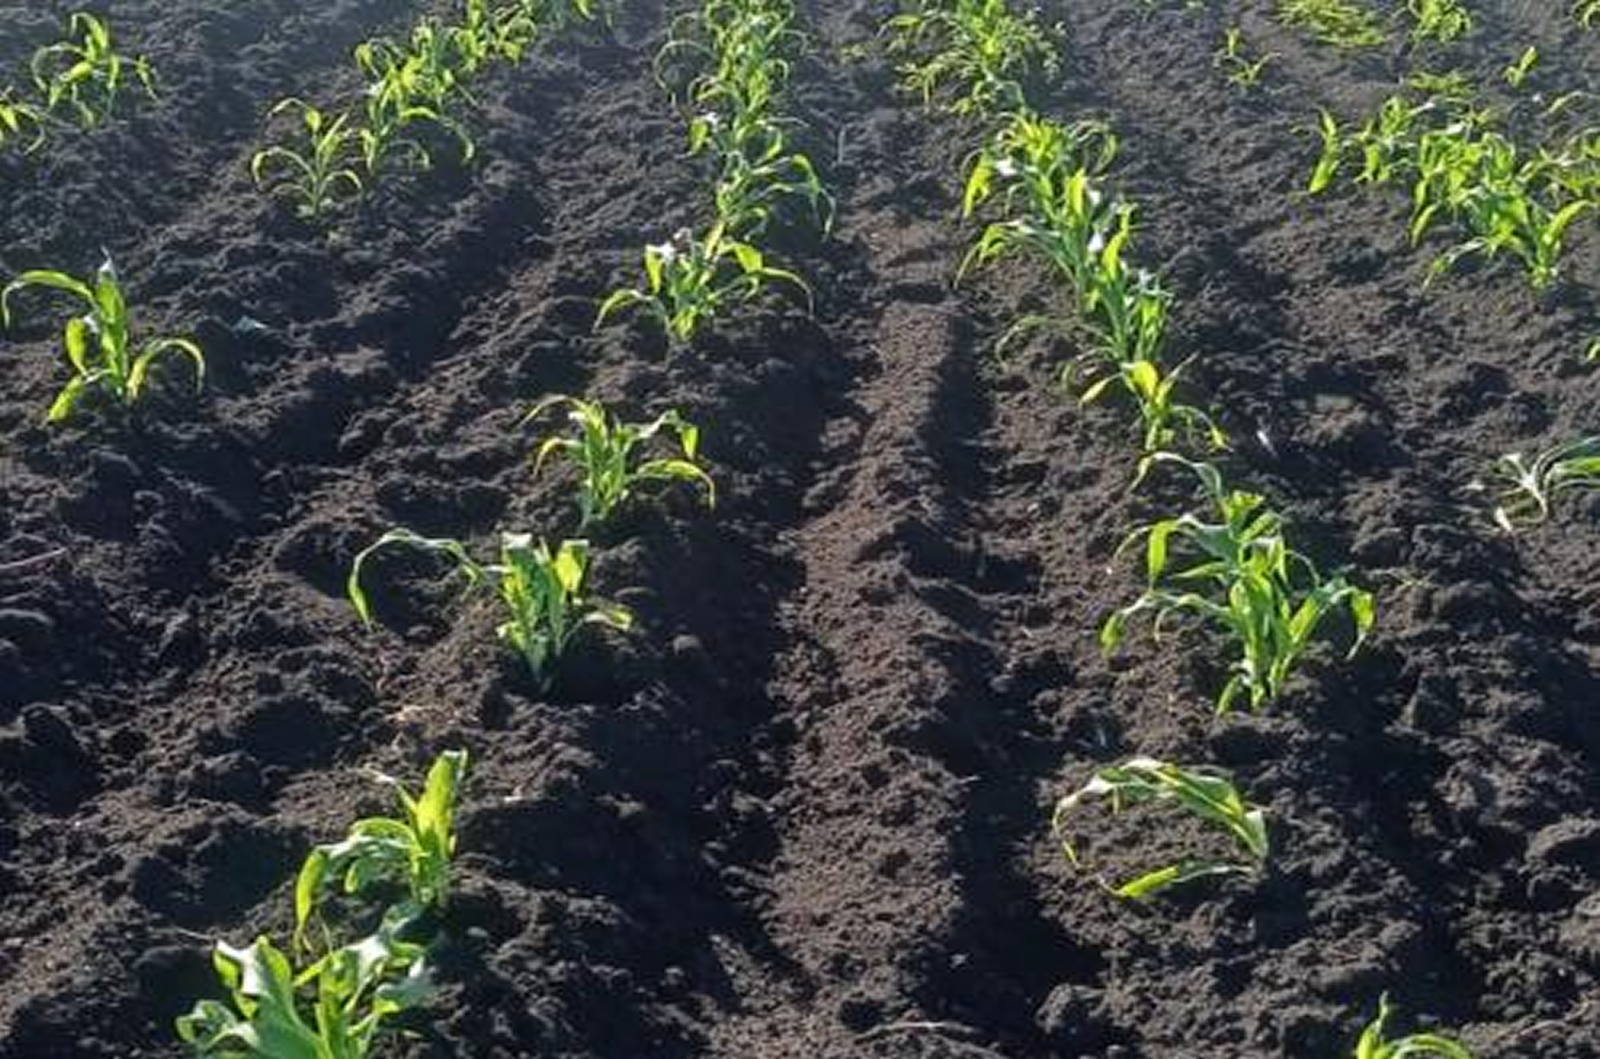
<point x="803" y="811"/>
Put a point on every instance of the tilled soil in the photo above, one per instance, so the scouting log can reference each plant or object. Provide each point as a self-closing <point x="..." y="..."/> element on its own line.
<point x="804" y="809"/>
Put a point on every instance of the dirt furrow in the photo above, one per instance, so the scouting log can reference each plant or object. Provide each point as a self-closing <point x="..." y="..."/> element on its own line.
<point x="839" y="894"/>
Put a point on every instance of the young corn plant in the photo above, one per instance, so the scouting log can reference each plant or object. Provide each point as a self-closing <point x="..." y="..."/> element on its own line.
<point x="100" y="345"/>
<point x="1337" y="22"/>
<point x="424" y="70"/>
<point x="85" y="74"/>
<point x="1375" y="1045"/>
<point x="507" y="30"/>
<point x="1033" y="165"/>
<point x="1164" y="420"/>
<point x="336" y="1008"/>
<point x="611" y="455"/>
<point x="1532" y="485"/>
<point x="1586" y="13"/>
<point x="1571" y="171"/>
<point x="692" y="281"/>
<point x="969" y="57"/>
<point x="1243" y="70"/>
<point x="1331" y="155"/>
<point x="414" y="88"/>
<point x="555" y="16"/>
<point x="540" y="588"/>
<point x="1441" y="21"/>
<point x="413" y="850"/>
<point x="727" y="65"/>
<point x="491" y="32"/>
<point x="322" y="177"/>
<point x="411" y="86"/>
<point x="1481" y="182"/>
<point x="1451" y="87"/>
<point x="1127" y="307"/>
<point x="1038" y="177"/>
<point x="1207" y="795"/>
<point x="1387" y="142"/>
<point x="21" y="124"/>
<point x="759" y="173"/>
<point x="1238" y="573"/>
<point x="1385" y="145"/>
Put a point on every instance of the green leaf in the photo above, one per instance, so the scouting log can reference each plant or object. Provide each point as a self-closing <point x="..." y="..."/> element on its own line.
<point x="570" y="563"/>
<point x="67" y="399"/>
<point x="308" y="884"/>
<point x="165" y="347"/>
<point x="1156" y="550"/>
<point x="1211" y="797"/>
<point x="76" y="339"/>
<point x="43" y="278"/>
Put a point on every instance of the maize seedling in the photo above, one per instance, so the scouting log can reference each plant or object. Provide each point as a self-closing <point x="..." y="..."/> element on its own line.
<point x="609" y="455"/>
<point x="1337" y="22"/>
<point x="85" y="74"/>
<point x="1521" y="68"/>
<point x="100" y="345"/>
<point x="1237" y="573"/>
<point x="323" y="177"/>
<point x="969" y="57"/>
<point x="1440" y="20"/>
<point x="1208" y="795"/>
<point x="413" y="850"/>
<point x="20" y="123"/>
<point x="1373" y="1044"/>
<point x="1242" y="70"/>
<point x="540" y="589"/>
<point x="354" y="991"/>
<point x="689" y="282"/>
<point x="1534" y="484"/>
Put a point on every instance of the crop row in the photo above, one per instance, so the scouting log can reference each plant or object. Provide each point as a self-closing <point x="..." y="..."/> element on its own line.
<point x="1464" y="171"/>
<point x="540" y="587"/>
<point x="726" y="66"/>
<point x="355" y="985"/>
<point x="1348" y="24"/>
<point x="333" y="992"/>
<point x="1230" y="565"/>
<point x="541" y="590"/>
<point x="1042" y="179"/>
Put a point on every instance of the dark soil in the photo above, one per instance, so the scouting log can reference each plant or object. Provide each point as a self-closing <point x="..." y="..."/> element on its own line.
<point x="803" y="811"/>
